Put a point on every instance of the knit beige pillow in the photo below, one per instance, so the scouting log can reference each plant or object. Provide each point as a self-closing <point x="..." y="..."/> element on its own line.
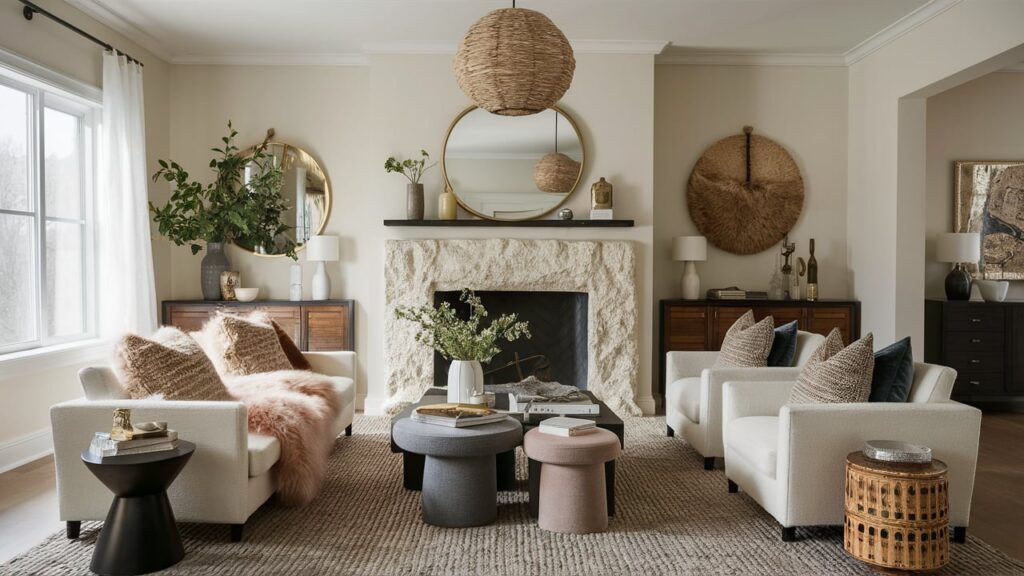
<point x="747" y="344"/>
<point x="835" y="374"/>
<point x="168" y="363"/>
<point x="243" y="345"/>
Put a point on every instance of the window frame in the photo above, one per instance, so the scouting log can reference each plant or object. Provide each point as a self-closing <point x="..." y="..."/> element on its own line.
<point x="50" y="90"/>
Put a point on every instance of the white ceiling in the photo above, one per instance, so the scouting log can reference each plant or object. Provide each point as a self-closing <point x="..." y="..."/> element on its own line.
<point x="217" y="30"/>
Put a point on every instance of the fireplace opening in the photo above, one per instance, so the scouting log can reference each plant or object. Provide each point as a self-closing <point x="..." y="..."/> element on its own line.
<point x="557" y="352"/>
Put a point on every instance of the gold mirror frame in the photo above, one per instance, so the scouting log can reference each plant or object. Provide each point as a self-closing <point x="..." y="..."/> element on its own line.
<point x="328" y="196"/>
<point x="448" y="185"/>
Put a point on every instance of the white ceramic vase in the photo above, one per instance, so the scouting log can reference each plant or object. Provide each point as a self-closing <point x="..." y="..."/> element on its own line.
<point x="465" y="378"/>
<point x="993" y="290"/>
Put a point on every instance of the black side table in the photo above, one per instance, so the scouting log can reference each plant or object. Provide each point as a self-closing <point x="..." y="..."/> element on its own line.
<point x="139" y="534"/>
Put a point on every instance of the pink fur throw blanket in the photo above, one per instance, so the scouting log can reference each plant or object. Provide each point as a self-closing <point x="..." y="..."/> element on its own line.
<point x="298" y="408"/>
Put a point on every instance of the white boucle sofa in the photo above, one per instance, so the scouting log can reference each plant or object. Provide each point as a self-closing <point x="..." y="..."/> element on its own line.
<point x="229" y="476"/>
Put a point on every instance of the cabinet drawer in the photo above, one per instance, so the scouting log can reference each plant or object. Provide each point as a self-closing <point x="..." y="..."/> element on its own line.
<point x="686" y="328"/>
<point x="973" y="344"/>
<point x="978" y="384"/>
<point x="975" y="318"/>
<point x="964" y="361"/>
<point x="822" y="320"/>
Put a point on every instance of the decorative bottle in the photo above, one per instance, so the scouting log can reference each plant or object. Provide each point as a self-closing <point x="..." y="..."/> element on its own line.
<point x="447" y="207"/>
<point x="812" y="275"/>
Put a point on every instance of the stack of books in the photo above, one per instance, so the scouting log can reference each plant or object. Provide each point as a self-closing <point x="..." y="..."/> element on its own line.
<point x="456" y="415"/>
<point x="567" y="426"/>
<point x="146" y="437"/>
<point x="734" y="293"/>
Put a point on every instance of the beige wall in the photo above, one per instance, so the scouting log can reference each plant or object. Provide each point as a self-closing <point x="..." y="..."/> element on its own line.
<point x="28" y="397"/>
<point x="979" y="120"/>
<point x="804" y="109"/>
<point x="352" y="118"/>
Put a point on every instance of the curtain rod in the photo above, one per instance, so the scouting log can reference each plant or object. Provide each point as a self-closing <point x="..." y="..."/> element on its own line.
<point x="31" y="9"/>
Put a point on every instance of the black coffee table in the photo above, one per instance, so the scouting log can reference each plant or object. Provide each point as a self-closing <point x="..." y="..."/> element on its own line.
<point x="412" y="464"/>
<point x="139" y="534"/>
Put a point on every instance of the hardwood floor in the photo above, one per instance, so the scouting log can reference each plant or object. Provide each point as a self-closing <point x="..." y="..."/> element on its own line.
<point x="28" y="497"/>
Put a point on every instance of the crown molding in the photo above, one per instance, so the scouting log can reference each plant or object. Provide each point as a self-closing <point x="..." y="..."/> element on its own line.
<point x="108" y="17"/>
<point x="578" y="46"/>
<point x="328" y="59"/>
<point x="703" y="58"/>
<point x="898" y="29"/>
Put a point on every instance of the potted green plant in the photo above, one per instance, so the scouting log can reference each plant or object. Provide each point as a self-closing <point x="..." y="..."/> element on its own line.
<point x="233" y="205"/>
<point x="413" y="170"/>
<point x="463" y="341"/>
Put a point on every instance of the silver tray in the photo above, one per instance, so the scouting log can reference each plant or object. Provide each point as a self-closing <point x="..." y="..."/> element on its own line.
<point x="892" y="451"/>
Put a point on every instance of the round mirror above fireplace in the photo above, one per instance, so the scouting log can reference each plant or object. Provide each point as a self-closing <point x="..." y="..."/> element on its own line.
<point x="512" y="167"/>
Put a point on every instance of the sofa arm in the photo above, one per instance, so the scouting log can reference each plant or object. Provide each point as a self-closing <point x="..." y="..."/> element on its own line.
<point x="743" y="399"/>
<point x="814" y="440"/>
<point x="212" y="486"/>
<point x="687" y="364"/>
<point x="333" y="363"/>
<point x="712" y="383"/>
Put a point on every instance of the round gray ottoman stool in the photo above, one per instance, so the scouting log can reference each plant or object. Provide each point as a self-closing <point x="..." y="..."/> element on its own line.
<point x="572" y="486"/>
<point x="459" y="474"/>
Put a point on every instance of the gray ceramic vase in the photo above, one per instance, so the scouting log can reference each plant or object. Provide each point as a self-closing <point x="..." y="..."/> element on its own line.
<point x="414" y="201"/>
<point x="213" y="264"/>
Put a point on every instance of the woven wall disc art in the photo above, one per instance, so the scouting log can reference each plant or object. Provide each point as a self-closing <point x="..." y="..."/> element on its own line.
<point x="745" y="193"/>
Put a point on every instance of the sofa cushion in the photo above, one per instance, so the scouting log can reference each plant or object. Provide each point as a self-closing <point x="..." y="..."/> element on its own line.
<point x="747" y="343"/>
<point x="170" y="364"/>
<point x="756" y="438"/>
<point x="264" y="452"/>
<point x="894" y="373"/>
<point x="243" y="345"/>
<point x="835" y="374"/>
<point x="291" y="351"/>
<point x="783" y="345"/>
<point x="684" y="396"/>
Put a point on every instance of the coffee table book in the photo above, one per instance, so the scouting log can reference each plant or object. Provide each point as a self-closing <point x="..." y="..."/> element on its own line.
<point x="456" y="415"/>
<point x="566" y="426"/>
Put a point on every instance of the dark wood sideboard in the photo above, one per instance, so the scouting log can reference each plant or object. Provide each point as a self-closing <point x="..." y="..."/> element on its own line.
<point x="315" y="325"/>
<point x="984" y="343"/>
<point x="700" y="325"/>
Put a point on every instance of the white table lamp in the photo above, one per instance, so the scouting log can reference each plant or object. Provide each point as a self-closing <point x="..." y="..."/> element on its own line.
<point x="322" y="249"/>
<point x="690" y="249"/>
<point x="958" y="248"/>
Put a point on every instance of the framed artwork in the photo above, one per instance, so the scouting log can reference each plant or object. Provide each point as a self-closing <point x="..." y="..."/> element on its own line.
<point x="989" y="200"/>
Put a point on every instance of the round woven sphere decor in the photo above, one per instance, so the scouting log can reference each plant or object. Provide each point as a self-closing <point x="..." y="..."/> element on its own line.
<point x="897" y="515"/>
<point x="745" y="199"/>
<point x="556" y="173"/>
<point x="514" y="62"/>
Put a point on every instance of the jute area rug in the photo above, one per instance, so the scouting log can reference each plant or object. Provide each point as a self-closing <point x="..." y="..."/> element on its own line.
<point x="672" y="518"/>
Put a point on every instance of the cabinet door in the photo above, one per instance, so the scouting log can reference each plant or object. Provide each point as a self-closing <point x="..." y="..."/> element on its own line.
<point x="188" y="318"/>
<point x="822" y="320"/>
<point x="686" y="328"/>
<point x="288" y="318"/>
<point x="723" y="317"/>
<point x="782" y="315"/>
<point x="327" y="328"/>
<point x="1015" y="383"/>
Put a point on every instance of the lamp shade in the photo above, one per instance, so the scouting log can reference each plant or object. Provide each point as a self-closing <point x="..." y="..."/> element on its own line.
<point x="958" y="247"/>
<point x="322" y="249"/>
<point x="690" y="248"/>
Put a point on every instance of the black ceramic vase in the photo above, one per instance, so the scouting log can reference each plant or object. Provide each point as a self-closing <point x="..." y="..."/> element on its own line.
<point x="958" y="284"/>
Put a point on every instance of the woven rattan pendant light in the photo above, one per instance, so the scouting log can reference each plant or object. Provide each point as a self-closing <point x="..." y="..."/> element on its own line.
<point x="555" y="172"/>
<point x="514" y="62"/>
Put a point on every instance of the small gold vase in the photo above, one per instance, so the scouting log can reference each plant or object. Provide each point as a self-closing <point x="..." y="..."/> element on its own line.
<point x="122" y="427"/>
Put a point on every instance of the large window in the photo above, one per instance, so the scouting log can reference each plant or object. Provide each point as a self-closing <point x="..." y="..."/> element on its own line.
<point x="47" y="158"/>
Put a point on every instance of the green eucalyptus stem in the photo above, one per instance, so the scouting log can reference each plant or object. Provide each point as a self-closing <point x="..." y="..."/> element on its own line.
<point x="411" y="169"/>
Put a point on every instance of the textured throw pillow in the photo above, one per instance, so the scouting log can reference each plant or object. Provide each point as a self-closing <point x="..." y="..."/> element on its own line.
<point x="168" y="363"/>
<point x="747" y="343"/>
<point x="295" y="356"/>
<point x="784" y="345"/>
<point x="894" y="373"/>
<point x="835" y="374"/>
<point x="243" y="345"/>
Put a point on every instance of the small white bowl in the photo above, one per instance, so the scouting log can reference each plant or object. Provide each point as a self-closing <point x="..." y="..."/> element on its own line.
<point x="993" y="290"/>
<point x="246" y="294"/>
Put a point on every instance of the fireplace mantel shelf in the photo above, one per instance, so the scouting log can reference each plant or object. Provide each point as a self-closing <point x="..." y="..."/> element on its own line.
<point x="515" y="224"/>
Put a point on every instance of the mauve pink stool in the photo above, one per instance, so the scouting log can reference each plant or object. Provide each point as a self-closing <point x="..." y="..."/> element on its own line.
<point x="572" y="490"/>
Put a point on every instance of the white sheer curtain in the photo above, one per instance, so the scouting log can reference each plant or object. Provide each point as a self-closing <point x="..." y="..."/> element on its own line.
<point x="125" y="286"/>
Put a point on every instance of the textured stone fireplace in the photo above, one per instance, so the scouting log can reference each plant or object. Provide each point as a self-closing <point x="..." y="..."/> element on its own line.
<point x="415" y="270"/>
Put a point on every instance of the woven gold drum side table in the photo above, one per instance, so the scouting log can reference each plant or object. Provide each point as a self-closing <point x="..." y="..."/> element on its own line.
<point x="897" y="515"/>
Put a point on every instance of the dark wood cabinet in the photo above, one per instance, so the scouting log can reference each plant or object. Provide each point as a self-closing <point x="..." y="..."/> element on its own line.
<point x="697" y="325"/>
<point x="314" y="325"/>
<point x="984" y="343"/>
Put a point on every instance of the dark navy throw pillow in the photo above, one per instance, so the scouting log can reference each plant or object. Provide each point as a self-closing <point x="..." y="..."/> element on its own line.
<point x="894" y="373"/>
<point x="783" y="346"/>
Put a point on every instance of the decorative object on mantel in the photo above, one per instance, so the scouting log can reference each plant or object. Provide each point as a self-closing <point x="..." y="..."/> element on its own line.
<point x="514" y="62"/>
<point x="745" y="193"/>
<point x="447" y="205"/>
<point x="464" y="342"/>
<point x="565" y="214"/>
<point x="993" y="290"/>
<point x="987" y="202"/>
<point x="225" y="209"/>
<point x="690" y="249"/>
<point x="295" y="282"/>
<point x="958" y="248"/>
<point x="322" y="249"/>
<point x="229" y="279"/>
<point x="246" y="294"/>
<point x="812" y="275"/>
<point x="413" y="170"/>
<point x="601" y="195"/>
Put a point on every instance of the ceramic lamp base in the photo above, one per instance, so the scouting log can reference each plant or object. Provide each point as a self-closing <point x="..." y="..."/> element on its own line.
<point x="691" y="282"/>
<point x="321" y="283"/>
<point x="958" y="284"/>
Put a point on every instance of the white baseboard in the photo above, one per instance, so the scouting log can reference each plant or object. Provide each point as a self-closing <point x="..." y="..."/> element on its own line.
<point x="361" y="402"/>
<point x="24" y="449"/>
<point x="647" y="404"/>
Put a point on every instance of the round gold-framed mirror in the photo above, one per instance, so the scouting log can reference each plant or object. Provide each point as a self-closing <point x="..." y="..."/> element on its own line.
<point x="307" y="192"/>
<point x="512" y="168"/>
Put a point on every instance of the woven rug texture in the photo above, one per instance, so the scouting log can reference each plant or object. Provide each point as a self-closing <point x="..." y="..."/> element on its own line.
<point x="672" y="517"/>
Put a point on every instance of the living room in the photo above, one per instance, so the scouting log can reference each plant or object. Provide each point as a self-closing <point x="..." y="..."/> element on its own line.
<point x="603" y="172"/>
